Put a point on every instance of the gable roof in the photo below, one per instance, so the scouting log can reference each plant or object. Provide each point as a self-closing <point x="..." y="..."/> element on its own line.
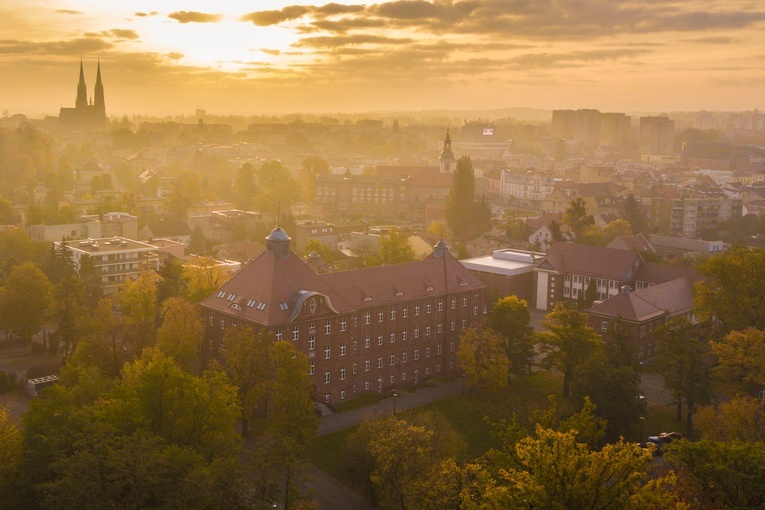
<point x="637" y="242"/>
<point x="588" y="260"/>
<point x="670" y="298"/>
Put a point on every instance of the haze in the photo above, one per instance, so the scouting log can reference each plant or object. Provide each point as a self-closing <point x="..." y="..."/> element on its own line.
<point x="281" y="56"/>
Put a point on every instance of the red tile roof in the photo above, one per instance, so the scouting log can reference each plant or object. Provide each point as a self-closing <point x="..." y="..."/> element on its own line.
<point x="671" y="298"/>
<point x="588" y="260"/>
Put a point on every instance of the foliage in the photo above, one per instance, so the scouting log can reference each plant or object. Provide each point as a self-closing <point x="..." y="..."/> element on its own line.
<point x="181" y="333"/>
<point x="741" y="419"/>
<point x="277" y="190"/>
<point x="568" y="342"/>
<point x="483" y="358"/>
<point x="310" y="169"/>
<point x="324" y="250"/>
<point x="461" y="200"/>
<point x="103" y="346"/>
<point x="10" y="448"/>
<point x="577" y="219"/>
<point x="511" y="320"/>
<point x="204" y="276"/>
<point x="732" y="472"/>
<point x="395" y="249"/>
<point x="682" y="361"/>
<point x="24" y="299"/>
<point x="741" y="358"/>
<point x="733" y="294"/>
<point x="138" y="301"/>
<point x="633" y="211"/>
<point x="68" y="313"/>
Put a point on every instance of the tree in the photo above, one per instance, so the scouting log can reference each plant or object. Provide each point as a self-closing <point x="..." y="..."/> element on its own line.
<point x="483" y="358"/>
<point x="482" y="217"/>
<point x="103" y="346"/>
<point x="740" y="419"/>
<point x="138" y="301"/>
<point x="461" y="199"/>
<point x="245" y="355"/>
<point x="180" y="336"/>
<point x="590" y="294"/>
<point x="324" y="250"/>
<point x="568" y="342"/>
<point x="68" y="313"/>
<point x="172" y="283"/>
<point x="510" y="318"/>
<point x="576" y="218"/>
<point x="741" y="357"/>
<point x="245" y="188"/>
<point x="10" y="450"/>
<point x="310" y="169"/>
<point x="634" y="213"/>
<point x="395" y="249"/>
<point x="204" y="276"/>
<point x="24" y="299"/>
<point x="732" y="294"/>
<point x="684" y="363"/>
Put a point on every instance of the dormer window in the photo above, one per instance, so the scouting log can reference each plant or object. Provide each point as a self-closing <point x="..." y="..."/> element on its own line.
<point x="261" y="306"/>
<point x="250" y="303"/>
<point x="231" y="297"/>
<point x="221" y="293"/>
<point x="236" y="306"/>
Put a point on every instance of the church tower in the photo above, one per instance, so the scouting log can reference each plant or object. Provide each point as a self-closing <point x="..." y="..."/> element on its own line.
<point x="447" y="163"/>
<point x="98" y="103"/>
<point x="82" y="92"/>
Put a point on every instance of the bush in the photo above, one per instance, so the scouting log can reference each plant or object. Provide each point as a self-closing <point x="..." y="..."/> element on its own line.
<point x="5" y="382"/>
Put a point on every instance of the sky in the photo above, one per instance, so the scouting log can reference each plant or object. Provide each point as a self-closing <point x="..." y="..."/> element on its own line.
<point x="274" y="57"/>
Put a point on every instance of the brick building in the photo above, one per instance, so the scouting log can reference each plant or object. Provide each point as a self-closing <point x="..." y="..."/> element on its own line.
<point x="365" y="330"/>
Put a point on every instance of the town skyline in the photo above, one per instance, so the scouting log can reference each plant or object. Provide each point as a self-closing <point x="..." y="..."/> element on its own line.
<point x="318" y="57"/>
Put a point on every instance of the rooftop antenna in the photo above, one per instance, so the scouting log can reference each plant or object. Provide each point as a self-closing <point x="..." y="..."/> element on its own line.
<point x="278" y="214"/>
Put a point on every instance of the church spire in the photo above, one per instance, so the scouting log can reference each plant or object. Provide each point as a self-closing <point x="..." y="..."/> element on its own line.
<point x="99" y="92"/>
<point x="82" y="93"/>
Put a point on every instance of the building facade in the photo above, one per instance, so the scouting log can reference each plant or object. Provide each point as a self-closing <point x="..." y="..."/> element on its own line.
<point x="366" y="330"/>
<point x="85" y="115"/>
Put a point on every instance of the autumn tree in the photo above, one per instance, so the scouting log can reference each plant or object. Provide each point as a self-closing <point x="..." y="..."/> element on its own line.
<point x="24" y="299"/>
<point x="395" y="249"/>
<point x="568" y="342"/>
<point x="461" y="200"/>
<point x="10" y="451"/>
<point x="203" y="276"/>
<point x="138" y="301"/>
<point x="68" y="313"/>
<point x="103" y="345"/>
<point x="483" y="358"/>
<point x="741" y="360"/>
<point x="180" y="336"/>
<point x="577" y="219"/>
<point x="511" y="320"/>
<point x="684" y="362"/>
<point x="740" y="419"/>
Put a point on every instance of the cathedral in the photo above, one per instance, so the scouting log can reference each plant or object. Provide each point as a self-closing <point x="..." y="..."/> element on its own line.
<point x="86" y="115"/>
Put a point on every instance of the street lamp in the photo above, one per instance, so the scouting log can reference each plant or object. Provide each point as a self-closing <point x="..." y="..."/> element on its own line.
<point x="640" y="439"/>
<point x="394" y="403"/>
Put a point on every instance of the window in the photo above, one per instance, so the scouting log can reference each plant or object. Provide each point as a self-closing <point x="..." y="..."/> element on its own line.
<point x="604" y="326"/>
<point x="403" y="357"/>
<point x="210" y="318"/>
<point x="343" y="323"/>
<point x="380" y="316"/>
<point x="379" y="339"/>
<point x="366" y="384"/>
<point x="278" y="334"/>
<point x="642" y="333"/>
<point x="403" y="335"/>
<point x="439" y="350"/>
<point x="211" y="344"/>
<point x="355" y="344"/>
<point x="366" y="366"/>
<point x="416" y="310"/>
<point x="311" y="368"/>
<point x="405" y="311"/>
<point x="379" y="362"/>
<point x="475" y="310"/>
<point x="342" y="394"/>
<point x="439" y="328"/>
<point x="453" y="325"/>
<point x="464" y="323"/>
<point x="366" y="342"/>
<point x="393" y="314"/>
<point x="438" y="367"/>
<point x="464" y="301"/>
<point x="327" y="352"/>
<point x="367" y="317"/>
<point x="222" y="324"/>
<point x="427" y="370"/>
<point x="342" y="349"/>
<point x="354" y="387"/>
<point x="403" y="376"/>
<point x="311" y="343"/>
<point x="355" y="368"/>
<point x="392" y="336"/>
<point x="454" y="303"/>
<point x="312" y="327"/>
<point x="427" y="352"/>
<point x="428" y="307"/>
<point x="427" y="330"/>
<point x="392" y="359"/>
<point x="295" y="332"/>
<point x="417" y="332"/>
<point x="440" y="305"/>
<point x="342" y="374"/>
<point x="392" y="378"/>
<point x="328" y="327"/>
<point x="451" y="347"/>
<point x="416" y="354"/>
<point x="326" y="377"/>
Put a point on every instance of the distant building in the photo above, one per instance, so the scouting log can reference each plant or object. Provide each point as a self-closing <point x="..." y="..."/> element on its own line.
<point x="657" y="137"/>
<point x="366" y="330"/>
<point x="86" y="115"/>
<point x="446" y="162"/>
<point x="315" y="230"/>
<point x="692" y="215"/>
<point x="506" y="272"/>
<point x="525" y="189"/>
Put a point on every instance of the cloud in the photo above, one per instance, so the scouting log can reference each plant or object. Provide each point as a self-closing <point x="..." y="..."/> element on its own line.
<point x="72" y="47"/>
<point x="345" y="40"/>
<point x="68" y="11"/>
<point x="144" y="14"/>
<point x="194" y="17"/>
<point x="175" y="55"/>
<point x="121" y="33"/>
<point x="267" y="18"/>
<point x="711" y="40"/>
<point x="268" y="51"/>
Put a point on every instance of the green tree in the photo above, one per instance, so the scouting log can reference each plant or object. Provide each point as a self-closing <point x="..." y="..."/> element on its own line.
<point x="741" y="358"/>
<point x="245" y="189"/>
<point x="245" y="355"/>
<point x="6" y="212"/>
<point x="24" y="299"/>
<point x="68" y="313"/>
<point x="310" y="169"/>
<point x="180" y="336"/>
<point x="683" y="360"/>
<point x="732" y="293"/>
<point x="138" y="301"/>
<point x="204" y="276"/>
<point x="568" y="342"/>
<point x="10" y="450"/>
<point x="172" y="282"/>
<point x="103" y="346"/>
<point x="395" y="249"/>
<point x="577" y="219"/>
<point x="483" y="358"/>
<point x="511" y="320"/>
<point x="324" y="250"/>
<point x="461" y="200"/>
<point x="634" y="213"/>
